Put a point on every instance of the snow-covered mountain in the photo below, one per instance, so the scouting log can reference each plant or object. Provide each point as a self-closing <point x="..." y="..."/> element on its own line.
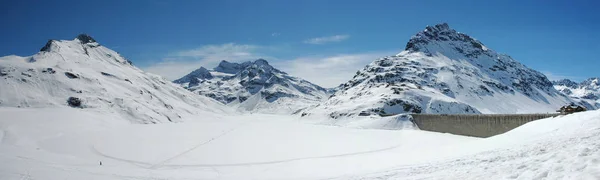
<point x="253" y="86"/>
<point x="443" y="71"/>
<point x="586" y="93"/>
<point x="84" y="74"/>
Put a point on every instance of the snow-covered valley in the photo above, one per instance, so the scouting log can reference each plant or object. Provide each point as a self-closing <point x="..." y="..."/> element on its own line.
<point x="44" y="144"/>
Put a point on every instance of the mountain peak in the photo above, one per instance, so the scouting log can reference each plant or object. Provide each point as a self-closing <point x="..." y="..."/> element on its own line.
<point x="84" y="38"/>
<point x="261" y="62"/>
<point x="194" y="76"/>
<point x="224" y="63"/>
<point x="565" y="82"/>
<point x="201" y="70"/>
<point x="592" y="81"/>
<point x="48" y="45"/>
<point x="231" y="68"/>
<point x="262" y="66"/>
<point x="439" y="28"/>
<point x="441" y="37"/>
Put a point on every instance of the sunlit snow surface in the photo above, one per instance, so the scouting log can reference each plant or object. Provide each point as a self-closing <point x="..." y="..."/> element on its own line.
<point x="101" y="78"/>
<point x="69" y="143"/>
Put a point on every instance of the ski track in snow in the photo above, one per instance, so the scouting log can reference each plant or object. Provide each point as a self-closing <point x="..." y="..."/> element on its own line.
<point x="558" y="148"/>
<point x="287" y="160"/>
<point x="161" y="163"/>
<point x="132" y="162"/>
<point x="2" y="135"/>
<point x="148" y="165"/>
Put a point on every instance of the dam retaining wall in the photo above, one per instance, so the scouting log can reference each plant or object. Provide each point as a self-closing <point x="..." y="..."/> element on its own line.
<point x="476" y="125"/>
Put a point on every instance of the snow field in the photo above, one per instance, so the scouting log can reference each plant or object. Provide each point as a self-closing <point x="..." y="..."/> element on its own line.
<point x="44" y="144"/>
<point x="556" y="148"/>
<point x="247" y="147"/>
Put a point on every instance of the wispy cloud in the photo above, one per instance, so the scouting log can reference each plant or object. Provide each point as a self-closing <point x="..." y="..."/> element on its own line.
<point x="275" y="34"/>
<point x="224" y="51"/>
<point x="327" y="39"/>
<point x="329" y="71"/>
<point x="554" y="77"/>
<point x="179" y="63"/>
<point x="172" y="70"/>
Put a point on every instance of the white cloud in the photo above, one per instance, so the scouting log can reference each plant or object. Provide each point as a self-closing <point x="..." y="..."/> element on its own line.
<point x="180" y="63"/>
<point x="328" y="39"/>
<point x="275" y="34"/>
<point x="172" y="70"/>
<point x="329" y="71"/>
<point x="224" y="51"/>
<point x="554" y="77"/>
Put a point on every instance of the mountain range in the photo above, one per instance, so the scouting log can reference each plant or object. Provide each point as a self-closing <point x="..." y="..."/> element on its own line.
<point x="586" y="93"/>
<point x="253" y="86"/>
<point x="440" y="71"/>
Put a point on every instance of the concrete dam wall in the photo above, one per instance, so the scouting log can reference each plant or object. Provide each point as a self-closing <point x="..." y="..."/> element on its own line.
<point x="477" y="125"/>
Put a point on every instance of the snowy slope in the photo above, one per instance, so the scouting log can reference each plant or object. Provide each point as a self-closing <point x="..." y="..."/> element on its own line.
<point x="36" y="145"/>
<point x="565" y="147"/>
<point x="586" y="93"/>
<point x="101" y="78"/>
<point x="443" y="71"/>
<point x="253" y="87"/>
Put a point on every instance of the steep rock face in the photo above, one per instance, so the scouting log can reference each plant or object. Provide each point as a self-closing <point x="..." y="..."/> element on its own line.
<point x="195" y="76"/>
<point x="441" y="38"/>
<point x="443" y="71"/>
<point x="253" y="86"/>
<point x="586" y="93"/>
<point x="83" y="74"/>
<point x="231" y="68"/>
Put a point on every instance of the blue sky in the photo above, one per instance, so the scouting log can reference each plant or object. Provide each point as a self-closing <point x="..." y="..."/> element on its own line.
<point x="322" y="41"/>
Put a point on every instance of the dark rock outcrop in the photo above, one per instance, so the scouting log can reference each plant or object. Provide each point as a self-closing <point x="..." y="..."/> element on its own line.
<point x="84" y="38"/>
<point x="426" y="41"/>
<point x="74" y="102"/>
<point x="48" y="46"/>
<point x="71" y="75"/>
